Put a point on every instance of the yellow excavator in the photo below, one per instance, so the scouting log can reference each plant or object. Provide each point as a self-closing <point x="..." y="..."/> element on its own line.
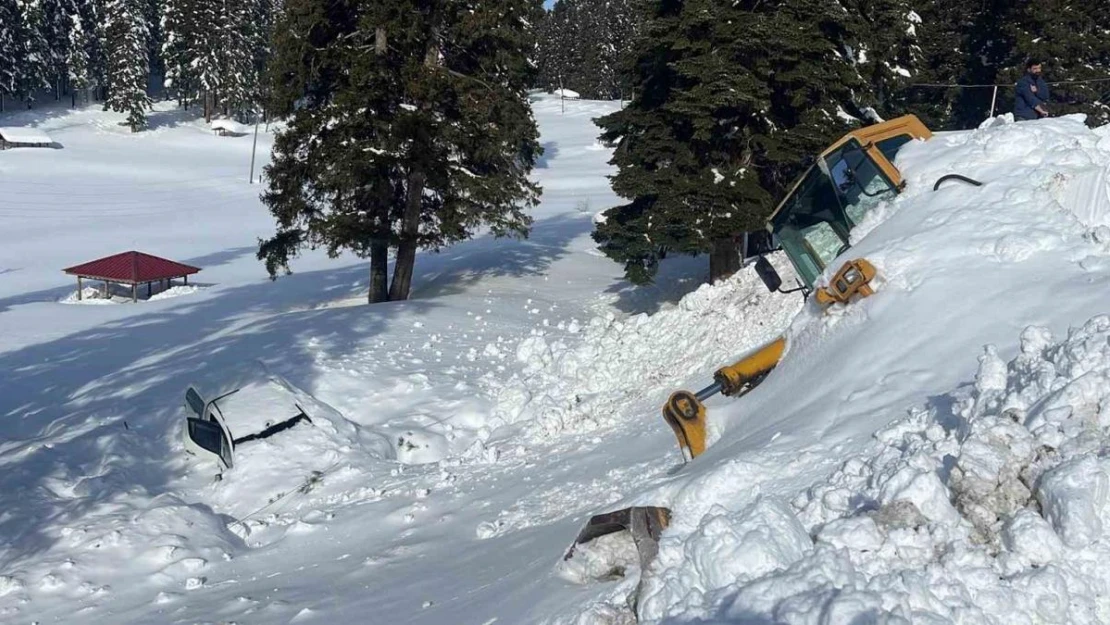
<point x="811" y="225"/>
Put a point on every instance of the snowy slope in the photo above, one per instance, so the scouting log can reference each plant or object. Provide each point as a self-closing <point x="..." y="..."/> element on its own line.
<point x="799" y="514"/>
<point x="499" y="386"/>
<point x="876" y="476"/>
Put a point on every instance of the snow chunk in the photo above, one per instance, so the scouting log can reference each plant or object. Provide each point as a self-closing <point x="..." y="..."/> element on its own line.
<point x="925" y="491"/>
<point x="1029" y="537"/>
<point x="1072" y="496"/>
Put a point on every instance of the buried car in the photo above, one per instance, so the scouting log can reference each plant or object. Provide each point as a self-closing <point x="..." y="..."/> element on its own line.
<point x="263" y="435"/>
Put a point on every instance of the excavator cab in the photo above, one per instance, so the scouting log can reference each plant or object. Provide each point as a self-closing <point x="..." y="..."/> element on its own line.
<point x="813" y="222"/>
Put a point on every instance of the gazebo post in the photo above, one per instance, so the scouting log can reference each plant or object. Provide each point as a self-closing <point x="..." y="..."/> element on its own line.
<point x="186" y="280"/>
<point x="148" y="288"/>
<point x="78" y="288"/>
<point x="134" y="291"/>
<point x="105" y="289"/>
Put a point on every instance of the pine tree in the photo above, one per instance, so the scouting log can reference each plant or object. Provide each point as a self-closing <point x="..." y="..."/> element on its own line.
<point x="77" y="63"/>
<point x="730" y="99"/>
<point x="56" y="27"/>
<point x="885" y="42"/>
<point x="91" y="13"/>
<point x="409" y="128"/>
<point x="34" y="69"/>
<point x="177" y="41"/>
<point x="128" y="67"/>
<point x="11" y="47"/>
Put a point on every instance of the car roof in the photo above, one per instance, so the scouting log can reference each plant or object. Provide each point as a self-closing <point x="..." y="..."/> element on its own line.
<point x="257" y="406"/>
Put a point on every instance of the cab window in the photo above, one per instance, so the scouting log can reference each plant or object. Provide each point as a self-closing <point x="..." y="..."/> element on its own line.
<point x="859" y="183"/>
<point x="890" y="146"/>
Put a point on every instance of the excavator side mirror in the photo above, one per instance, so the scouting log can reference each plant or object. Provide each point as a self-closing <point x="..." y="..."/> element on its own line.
<point x="767" y="273"/>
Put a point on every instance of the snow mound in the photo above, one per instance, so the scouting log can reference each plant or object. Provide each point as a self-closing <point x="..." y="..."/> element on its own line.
<point x="174" y="291"/>
<point x="90" y="296"/>
<point x="587" y="380"/>
<point x="993" y="510"/>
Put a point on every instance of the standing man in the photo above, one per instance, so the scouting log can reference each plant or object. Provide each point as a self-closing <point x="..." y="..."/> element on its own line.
<point x="1032" y="93"/>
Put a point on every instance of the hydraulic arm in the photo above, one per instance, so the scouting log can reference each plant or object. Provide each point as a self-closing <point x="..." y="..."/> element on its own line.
<point x="685" y="411"/>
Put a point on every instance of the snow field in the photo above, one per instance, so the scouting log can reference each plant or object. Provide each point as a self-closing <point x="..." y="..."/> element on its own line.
<point x="888" y="471"/>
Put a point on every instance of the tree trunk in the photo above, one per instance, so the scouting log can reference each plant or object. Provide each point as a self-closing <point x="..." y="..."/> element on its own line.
<point x="209" y="104"/>
<point x="410" y="223"/>
<point x="724" y="259"/>
<point x="406" y="249"/>
<point x="379" y="263"/>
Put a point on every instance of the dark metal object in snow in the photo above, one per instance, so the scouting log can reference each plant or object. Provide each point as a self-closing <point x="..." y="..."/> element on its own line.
<point x="956" y="177"/>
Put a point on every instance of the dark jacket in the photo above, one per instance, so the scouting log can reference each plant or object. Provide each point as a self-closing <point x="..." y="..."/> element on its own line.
<point x="1028" y="98"/>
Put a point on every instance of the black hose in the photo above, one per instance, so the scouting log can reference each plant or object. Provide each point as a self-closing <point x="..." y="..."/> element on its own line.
<point x="956" y="177"/>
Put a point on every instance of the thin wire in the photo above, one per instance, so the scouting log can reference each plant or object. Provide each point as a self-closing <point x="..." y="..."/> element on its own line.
<point x="1061" y="82"/>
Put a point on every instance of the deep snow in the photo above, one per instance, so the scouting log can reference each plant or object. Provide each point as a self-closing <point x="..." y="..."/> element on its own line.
<point x="892" y="469"/>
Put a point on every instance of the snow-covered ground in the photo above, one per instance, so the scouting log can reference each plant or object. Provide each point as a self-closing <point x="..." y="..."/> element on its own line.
<point x="893" y="468"/>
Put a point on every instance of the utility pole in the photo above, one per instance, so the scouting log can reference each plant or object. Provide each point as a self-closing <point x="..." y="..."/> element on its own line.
<point x="255" y="146"/>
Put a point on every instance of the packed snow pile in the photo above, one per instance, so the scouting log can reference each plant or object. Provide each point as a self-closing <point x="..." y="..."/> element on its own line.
<point x="89" y="296"/>
<point x="582" y="384"/>
<point x="174" y="291"/>
<point x="991" y="512"/>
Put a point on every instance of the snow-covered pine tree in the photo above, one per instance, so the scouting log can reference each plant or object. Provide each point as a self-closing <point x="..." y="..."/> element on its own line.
<point x="56" y="27"/>
<point x="237" y="78"/>
<point x="177" y="42"/>
<point x="884" y="40"/>
<point x="586" y="45"/>
<point x="730" y="100"/>
<point x="1073" y="41"/>
<point x="77" y="63"/>
<point x="11" y="49"/>
<point x="34" y="70"/>
<point x="128" y="67"/>
<point x="93" y="25"/>
<point x="409" y="127"/>
<point x="559" y="47"/>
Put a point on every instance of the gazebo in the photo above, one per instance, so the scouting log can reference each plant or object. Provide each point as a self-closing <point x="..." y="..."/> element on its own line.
<point x="133" y="268"/>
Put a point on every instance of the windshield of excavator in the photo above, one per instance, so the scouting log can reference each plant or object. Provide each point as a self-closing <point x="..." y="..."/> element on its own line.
<point x="814" y="222"/>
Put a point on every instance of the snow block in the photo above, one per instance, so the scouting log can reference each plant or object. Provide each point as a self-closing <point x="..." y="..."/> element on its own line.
<point x="1072" y="496"/>
<point x="1028" y="536"/>
<point x="924" y="490"/>
<point x="853" y="533"/>
<point x="764" y="538"/>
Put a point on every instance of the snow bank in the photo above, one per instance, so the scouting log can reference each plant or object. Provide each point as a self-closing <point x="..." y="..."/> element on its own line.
<point x="90" y="296"/>
<point x="174" y="291"/>
<point x="996" y="516"/>
<point x="586" y="380"/>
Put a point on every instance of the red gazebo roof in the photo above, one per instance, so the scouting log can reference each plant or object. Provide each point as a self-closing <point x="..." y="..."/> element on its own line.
<point x="132" y="268"/>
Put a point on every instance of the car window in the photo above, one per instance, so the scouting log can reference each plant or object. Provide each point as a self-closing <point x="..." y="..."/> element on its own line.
<point x="194" y="401"/>
<point x="210" y="436"/>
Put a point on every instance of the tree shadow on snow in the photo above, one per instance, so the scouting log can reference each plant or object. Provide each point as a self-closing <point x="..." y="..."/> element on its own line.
<point x="678" y="276"/>
<point x="455" y="268"/>
<point x="55" y="294"/>
<point x="94" y="418"/>
<point x="550" y="151"/>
